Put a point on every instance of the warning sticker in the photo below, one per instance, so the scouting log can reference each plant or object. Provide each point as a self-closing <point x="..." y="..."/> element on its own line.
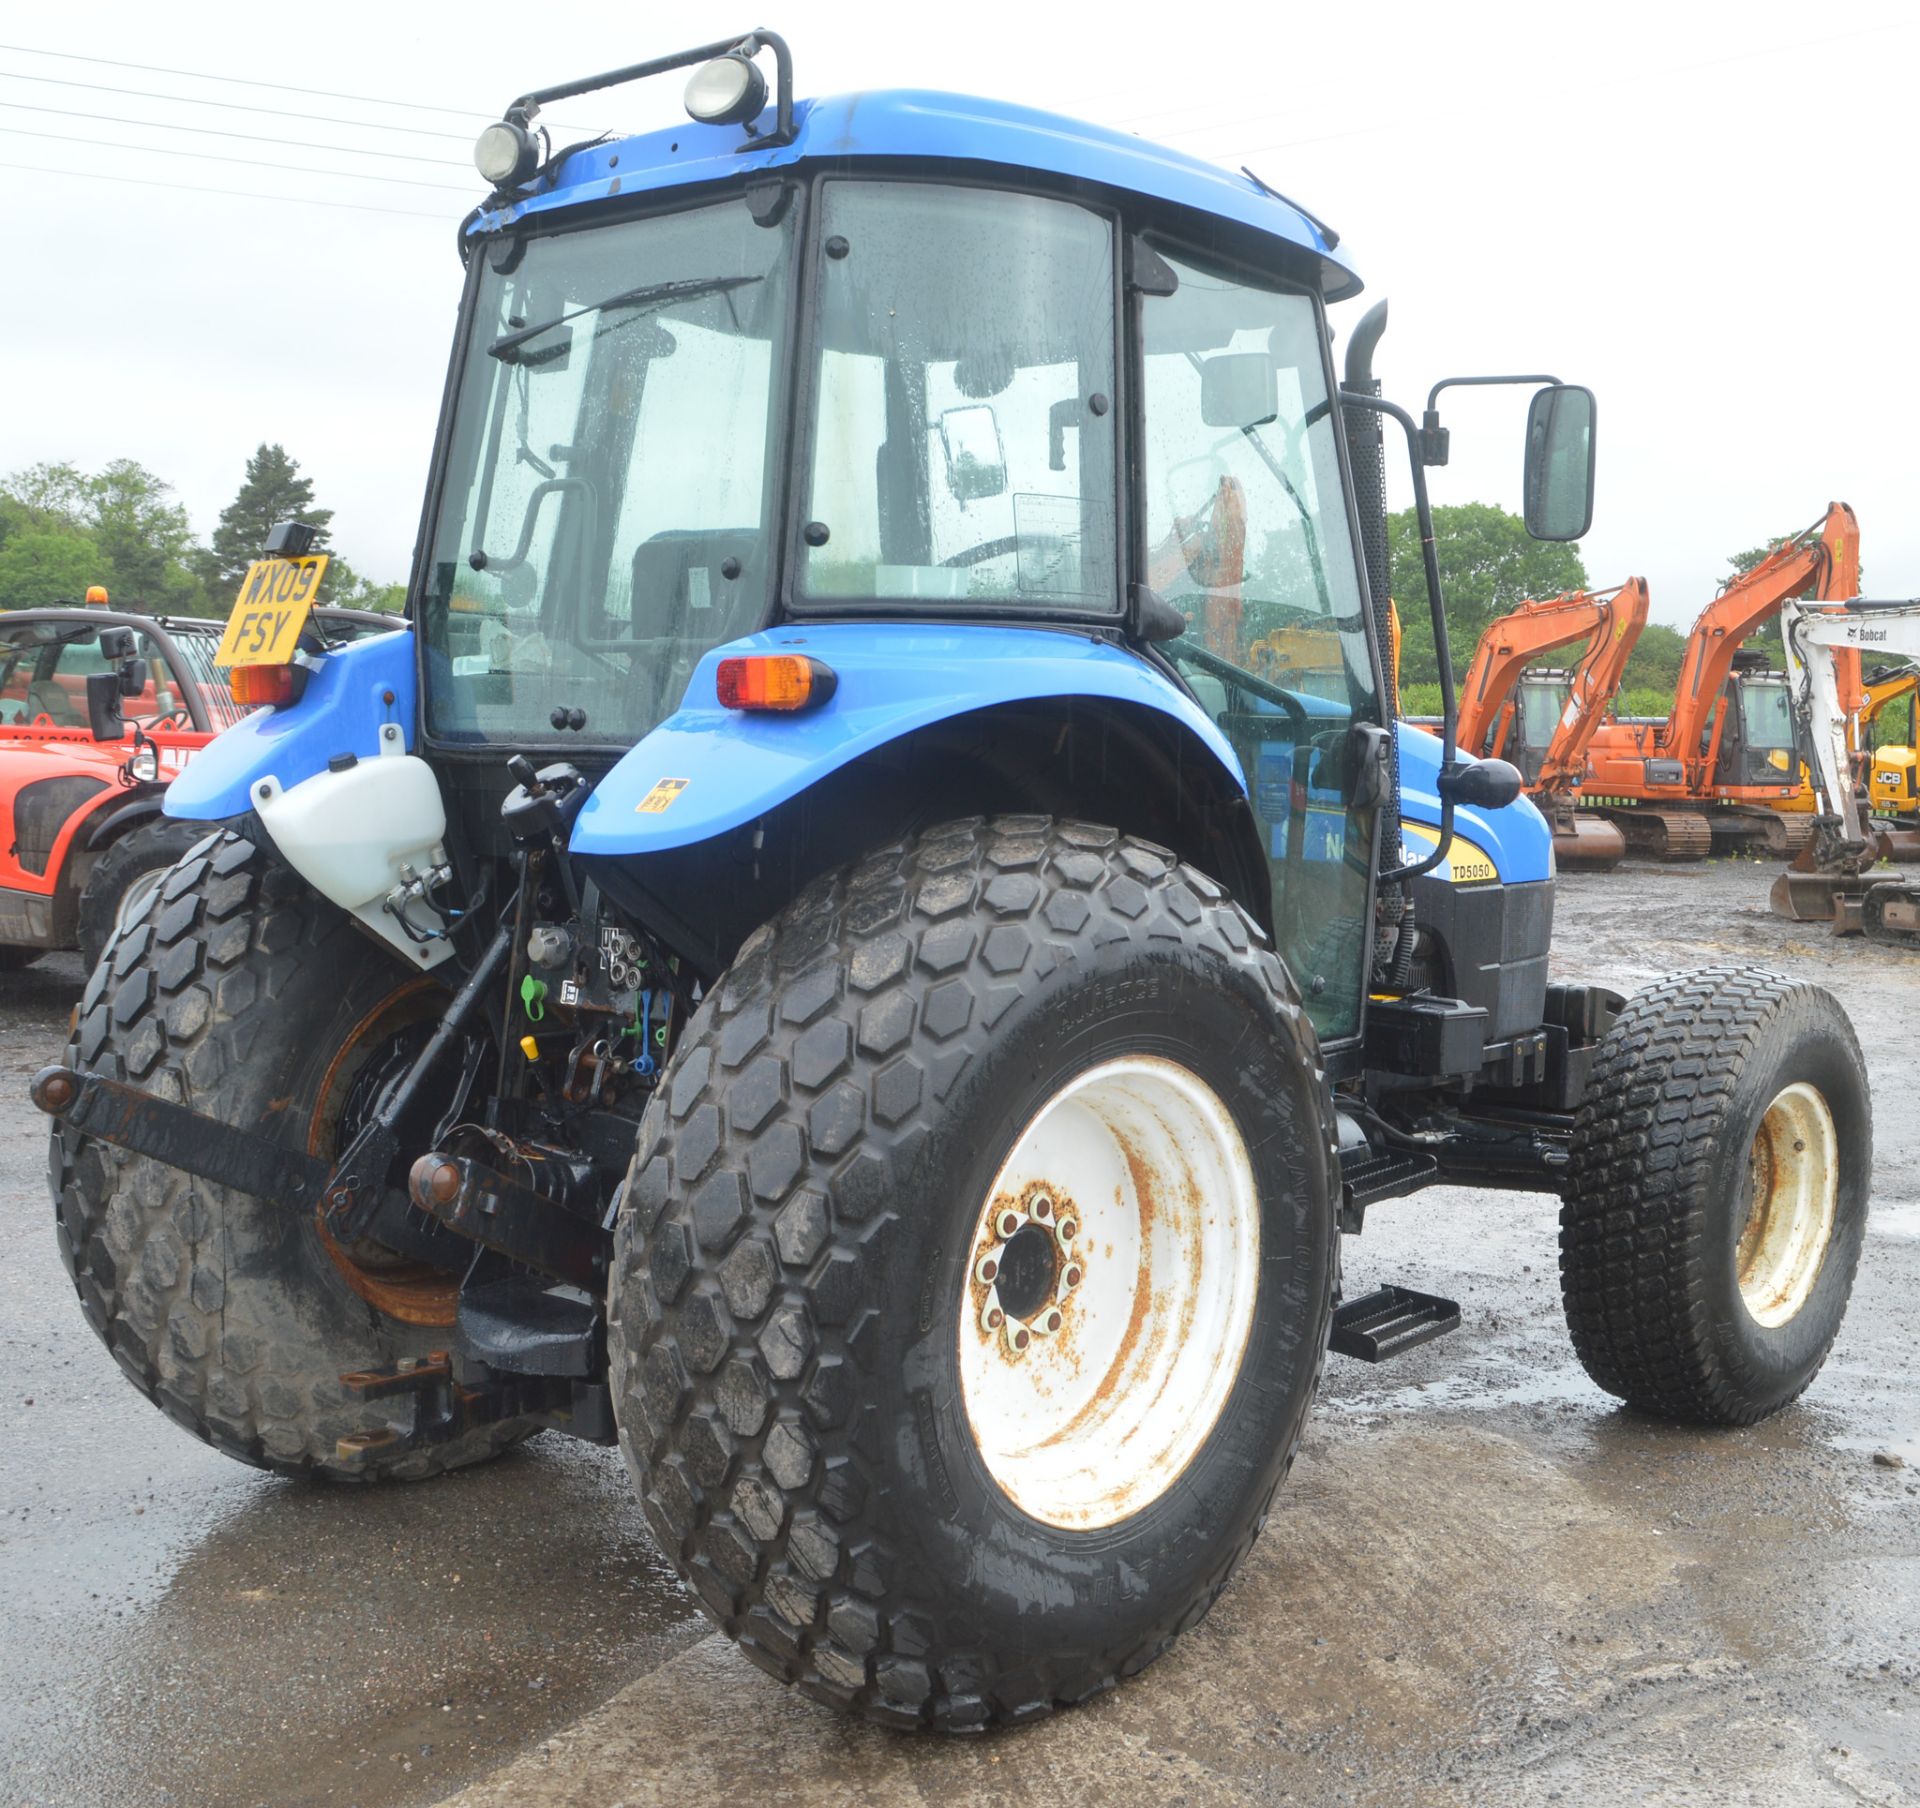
<point x="660" y="797"/>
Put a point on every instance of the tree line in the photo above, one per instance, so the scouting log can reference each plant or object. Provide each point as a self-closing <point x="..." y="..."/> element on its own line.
<point x="1489" y="564"/>
<point x="63" y="530"/>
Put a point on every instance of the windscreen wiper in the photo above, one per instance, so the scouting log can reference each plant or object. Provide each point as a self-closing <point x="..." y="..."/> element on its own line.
<point x="651" y="295"/>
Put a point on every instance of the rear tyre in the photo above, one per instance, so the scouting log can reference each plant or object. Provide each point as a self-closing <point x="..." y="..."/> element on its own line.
<point x="126" y="878"/>
<point x="974" y="1278"/>
<point x="243" y="994"/>
<point x="1720" y="1170"/>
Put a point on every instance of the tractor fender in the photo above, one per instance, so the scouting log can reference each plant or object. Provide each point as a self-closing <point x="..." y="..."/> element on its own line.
<point x="352" y="693"/>
<point x="707" y="769"/>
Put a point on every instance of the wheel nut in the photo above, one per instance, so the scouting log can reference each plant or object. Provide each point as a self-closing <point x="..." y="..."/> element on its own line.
<point x="1007" y="1222"/>
<point x="987" y="1268"/>
<point x="1065" y="1229"/>
<point x="991" y="1316"/>
<point x="1018" y="1336"/>
<point x="1042" y="1208"/>
<point x="1049" y="1321"/>
<point x="1069" y="1277"/>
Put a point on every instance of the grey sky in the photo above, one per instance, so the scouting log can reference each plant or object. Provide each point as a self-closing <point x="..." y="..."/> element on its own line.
<point x="1704" y="211"/>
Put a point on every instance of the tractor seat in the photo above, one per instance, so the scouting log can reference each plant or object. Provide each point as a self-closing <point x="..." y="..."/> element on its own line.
<point x="680" y="588"/>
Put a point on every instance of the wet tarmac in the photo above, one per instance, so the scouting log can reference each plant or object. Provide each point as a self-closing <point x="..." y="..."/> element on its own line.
<point x="1484" y="1584"/>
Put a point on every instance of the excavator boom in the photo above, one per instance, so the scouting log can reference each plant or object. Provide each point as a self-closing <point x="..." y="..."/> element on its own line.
<point x="1506" y="649"/>
<point x="1595" y="682"/>
<point x="1826" y="556"/>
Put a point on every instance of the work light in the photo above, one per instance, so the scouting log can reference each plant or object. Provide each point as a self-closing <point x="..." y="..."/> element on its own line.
<point x="505" y="153"/>
<point x="726" y="91"/>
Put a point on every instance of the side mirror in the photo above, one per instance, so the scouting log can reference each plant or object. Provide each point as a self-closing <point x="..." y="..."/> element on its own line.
<point x="976" y="462"/>
<point x="133" y="677"/>
<point x="116" y="644"/>
<point x="1559" y="473"/>
<point x="1239" y="389"/>
<point x="1485" y="784"/>
<point x="103" y="706"/>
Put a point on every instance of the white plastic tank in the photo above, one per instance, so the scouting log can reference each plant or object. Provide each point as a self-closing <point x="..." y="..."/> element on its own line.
<point x="349" y="833"/>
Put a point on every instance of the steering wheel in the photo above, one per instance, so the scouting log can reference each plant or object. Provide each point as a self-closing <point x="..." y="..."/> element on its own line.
<point x="987" y="549"/>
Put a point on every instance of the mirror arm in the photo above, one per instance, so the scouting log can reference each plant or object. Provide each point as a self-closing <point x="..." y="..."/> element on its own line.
<point x="1433" y="436"/>
<point x="1430" y="566"/>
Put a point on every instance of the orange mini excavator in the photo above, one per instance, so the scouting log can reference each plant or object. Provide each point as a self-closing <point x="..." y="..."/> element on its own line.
<point x="1542" y="720"/>
<point x="1720" y="762"/>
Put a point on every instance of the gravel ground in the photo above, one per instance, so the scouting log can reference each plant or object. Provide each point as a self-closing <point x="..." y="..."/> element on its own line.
<point x="1485" y="1583"/>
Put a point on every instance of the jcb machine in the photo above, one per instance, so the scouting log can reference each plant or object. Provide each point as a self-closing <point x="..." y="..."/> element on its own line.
<point x="801" y="959"/>
<point x="1893" y="772"/>
<point x="1722" y="767"/>
<point x="1542" y="720"/>
<point x="1840" y="876"/>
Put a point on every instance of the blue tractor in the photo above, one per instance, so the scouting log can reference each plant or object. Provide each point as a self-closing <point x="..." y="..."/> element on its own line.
<point x="876" y="927"/>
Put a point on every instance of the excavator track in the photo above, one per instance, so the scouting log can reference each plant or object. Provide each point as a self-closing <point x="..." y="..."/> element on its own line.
<point x="1676" y="837"/>
<point x="1890" y="913"/>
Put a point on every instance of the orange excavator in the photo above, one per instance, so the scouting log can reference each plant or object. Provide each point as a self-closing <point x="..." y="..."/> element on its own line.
<point x="1542" y="720"/>
<point x="1723" y="761"/>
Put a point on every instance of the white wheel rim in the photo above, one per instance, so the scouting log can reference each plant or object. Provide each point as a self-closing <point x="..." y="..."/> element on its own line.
<point x="1088" y="1403"/>
<point x="133" y="900"/>
<point x="1794" y="1170"/>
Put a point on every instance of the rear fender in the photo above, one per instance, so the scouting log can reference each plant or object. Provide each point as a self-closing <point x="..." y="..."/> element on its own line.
<point x="353" y="693"/>
<point x="707" y="770"/>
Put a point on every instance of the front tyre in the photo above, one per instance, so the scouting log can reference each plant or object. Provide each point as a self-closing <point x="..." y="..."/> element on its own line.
<point x="1718" y="1198"/>
<point x="974" y="1280"/>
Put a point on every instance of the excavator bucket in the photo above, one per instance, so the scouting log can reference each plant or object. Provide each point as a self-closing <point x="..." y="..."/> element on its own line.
<point x="1589" y="843"/>
<point x="1899" y="842"/>
<point x="1815" y="897"/>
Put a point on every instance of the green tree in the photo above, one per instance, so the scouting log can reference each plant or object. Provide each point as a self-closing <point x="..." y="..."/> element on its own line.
<point x="1654" y="663"/>
<point x="146" y="538"/>
<point x="137" y="538"/>
<point x="1488" y="564"/>
<point x="52" y="494"/>
<point x="42" y="565"/>
<point x="273" y="491"/>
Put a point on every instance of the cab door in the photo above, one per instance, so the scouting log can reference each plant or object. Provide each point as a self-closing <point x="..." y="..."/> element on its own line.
<point x="1247" y="533"/>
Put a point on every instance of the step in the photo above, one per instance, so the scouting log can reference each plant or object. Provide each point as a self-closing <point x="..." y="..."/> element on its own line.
<point x="1389" y="1320"/>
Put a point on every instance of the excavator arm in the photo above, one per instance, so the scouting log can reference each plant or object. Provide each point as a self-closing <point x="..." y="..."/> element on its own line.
<point x="1595" y="681"/>
<point x="1825" y="556"/>
<point x="1506" y="649"/>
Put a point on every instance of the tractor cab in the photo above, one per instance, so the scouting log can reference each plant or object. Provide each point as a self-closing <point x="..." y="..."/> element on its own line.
<point x="979" y="393"/>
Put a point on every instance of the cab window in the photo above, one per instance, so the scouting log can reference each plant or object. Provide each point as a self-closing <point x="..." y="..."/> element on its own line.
<point x="963" y="419"/>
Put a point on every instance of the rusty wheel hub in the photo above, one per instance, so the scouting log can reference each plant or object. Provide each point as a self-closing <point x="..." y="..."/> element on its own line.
<point x="1027" y="1266"/>
<point x="1110" y="1292"/>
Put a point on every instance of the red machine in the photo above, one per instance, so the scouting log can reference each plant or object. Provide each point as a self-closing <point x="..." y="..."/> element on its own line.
<point x="98" y="712"/>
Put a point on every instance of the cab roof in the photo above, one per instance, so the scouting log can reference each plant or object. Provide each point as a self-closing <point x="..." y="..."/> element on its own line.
<point x="931" y="128"/>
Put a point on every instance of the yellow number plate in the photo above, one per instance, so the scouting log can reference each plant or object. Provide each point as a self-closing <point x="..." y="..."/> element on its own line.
<point x="276" y="596"/>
